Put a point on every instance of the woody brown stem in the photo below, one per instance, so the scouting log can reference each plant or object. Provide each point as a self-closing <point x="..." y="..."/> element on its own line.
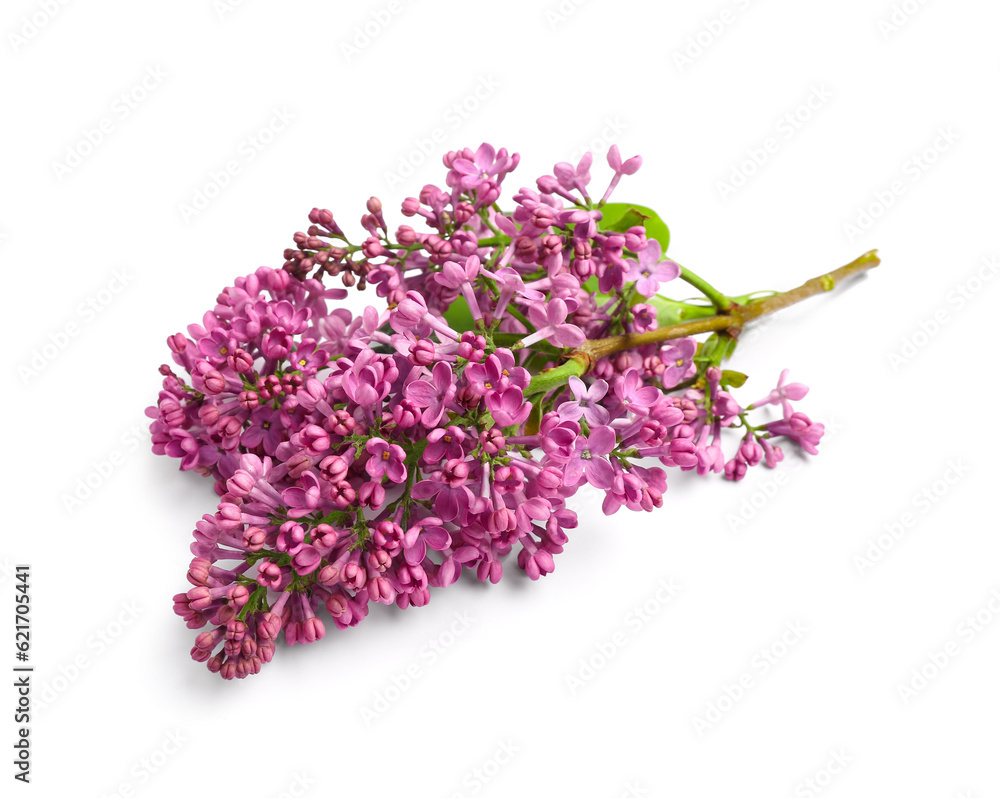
<point x="581" y="360"/>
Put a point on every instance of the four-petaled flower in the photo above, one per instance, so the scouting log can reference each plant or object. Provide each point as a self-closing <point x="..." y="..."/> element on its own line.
<point x="496" y="374"/>
<point x="434" y="395"/>
<point x="484" y="165"/>
<point x="387" y="459"/>
<point x="588" y="458"/>
<point x="679" y="362"/>
<point x="586" y="402"/>
<point x="550" y="323"/>
<point x="649" y="272"/>
<point x="508" y="406"/>
<point x="629" y="393"/>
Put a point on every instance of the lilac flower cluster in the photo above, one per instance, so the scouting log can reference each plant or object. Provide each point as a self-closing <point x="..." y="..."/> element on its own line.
<point x="368" y="458"/>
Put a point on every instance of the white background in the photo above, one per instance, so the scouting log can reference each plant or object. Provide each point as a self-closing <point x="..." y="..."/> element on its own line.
<point x="113" y="680"/>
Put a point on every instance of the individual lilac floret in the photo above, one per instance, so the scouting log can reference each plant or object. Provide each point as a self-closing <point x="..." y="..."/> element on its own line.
<point x="588" y="459"/>
<point x="784" y="394"/>
<point x="630" y="167"/>
<point x="386" y="459"/>
<point x="485" y="165"/>
<point x="679" y="362"/>
<point x="585" y="402"/>
<point x="631" y="393"/>
<point x="460" y="279"/>
<point x="799" y="428"/>
<point x="433" y="395"/>
<point x="649" y="272"/>
<point x="572" y="178"/>
<point x="550" y="323"/>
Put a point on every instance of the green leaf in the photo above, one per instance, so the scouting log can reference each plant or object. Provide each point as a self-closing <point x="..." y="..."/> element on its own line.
<point x="458" y="315"/>
<point x="732" y="379"/>
<point x="717" y="348"/>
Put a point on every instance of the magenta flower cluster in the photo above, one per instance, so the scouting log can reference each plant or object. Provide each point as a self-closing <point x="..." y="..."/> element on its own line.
<point x="369" y="458"/>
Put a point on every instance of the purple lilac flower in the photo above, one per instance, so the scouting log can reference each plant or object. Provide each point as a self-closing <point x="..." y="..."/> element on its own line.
<point x="550" y="323"/>
<point x="649" y="272"/>
<point x="799" y="428"/>
<point x="784" y="394"/>
<point x="460" y="278"/>
<point x="630" y="167"/>
<point x="631" y="393"/>
<point x="475" y="169"/>
<point x="452" y="497"/>
<point x="386" y="459"/>
<point x="497" y="373"/>
<point x="510" y="284"/>
<point x="575" y="178"/>
<point x="679" y="362"/>
<point x="374" y="459"/>
<point x="508" y="406"/>
<point x="444" y="443"/>
<point x="434" y="395"/>
<point x="265" y="430"/>
<point x="587" y="458"/>
<point x="644" y="317"/>
<point x="585" y="402"/>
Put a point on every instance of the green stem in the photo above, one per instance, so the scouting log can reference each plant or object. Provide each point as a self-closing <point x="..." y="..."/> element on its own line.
<point x="576" y="366"/>
<point x="490" y="224"/>
<point x="720" y="300"/>
<point x="670" y="311"/>
<point x="410" y="477"/>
